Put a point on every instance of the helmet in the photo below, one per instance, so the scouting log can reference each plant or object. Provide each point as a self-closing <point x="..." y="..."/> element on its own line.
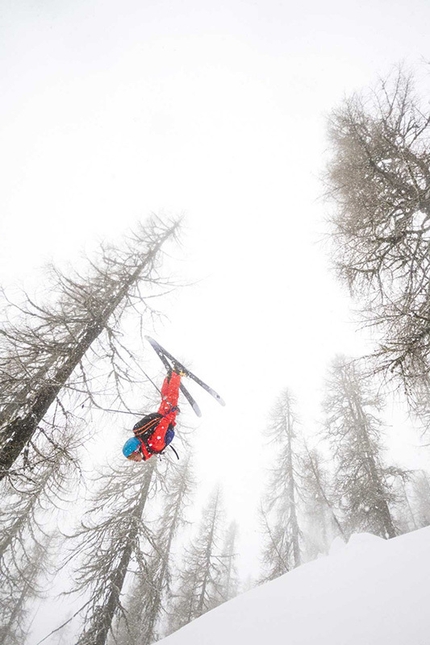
<point x="130" y="446"/>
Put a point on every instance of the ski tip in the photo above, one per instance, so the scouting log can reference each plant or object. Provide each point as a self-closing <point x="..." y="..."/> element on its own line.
<point x="216" y="396"/>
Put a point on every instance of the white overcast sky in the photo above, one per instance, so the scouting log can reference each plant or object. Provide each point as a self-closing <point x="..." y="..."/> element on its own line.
<point x="111" y="110"/>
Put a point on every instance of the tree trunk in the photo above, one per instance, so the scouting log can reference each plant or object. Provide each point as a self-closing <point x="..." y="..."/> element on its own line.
<point x="292" y="495"/>
<point x="21" y="430"/>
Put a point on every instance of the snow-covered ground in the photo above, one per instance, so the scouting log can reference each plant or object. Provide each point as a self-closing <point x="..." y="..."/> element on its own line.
<point x="368" y="592"/>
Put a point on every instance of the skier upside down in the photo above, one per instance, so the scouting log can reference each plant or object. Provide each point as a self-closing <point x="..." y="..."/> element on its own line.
<point x="154" y="432"/>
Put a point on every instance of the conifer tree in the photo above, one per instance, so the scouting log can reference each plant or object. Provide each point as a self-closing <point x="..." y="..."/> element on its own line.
<point x="279" y="511"/>
<point x="113" y="536"/>
<point x="229" y="580"/>
<point x="15" y="594"/>
<point x="379" y="178"/>
<point x="405" y="512"/>
<point x="421" y="496"/>
<point x="24" y="555"/>
<point x="363" y="483"/>
<point x="151" y="590"/>
<point x="320" y="521"/>
<point x="199" y="581"/>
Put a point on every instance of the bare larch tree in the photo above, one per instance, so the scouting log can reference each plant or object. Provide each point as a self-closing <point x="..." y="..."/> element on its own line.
<point x="229" y="579"/>
<point x="279" y="510"/>
<point x="379" y="179"/>
<point x="16" y="593"/>
<point x="150" y="593"/>
<point x="364" y="485"/>
<point x="320" y="522"/>
<point x="27" y="520"/>
<point x="113" y="535"/>
<point x="198" y="585"/>
<point x="421" y="486"/>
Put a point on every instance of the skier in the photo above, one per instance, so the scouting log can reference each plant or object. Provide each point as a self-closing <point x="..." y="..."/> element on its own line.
<point x="154" y="432"/>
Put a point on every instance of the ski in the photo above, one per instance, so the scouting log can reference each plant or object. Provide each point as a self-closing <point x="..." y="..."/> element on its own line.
<point x="190" y="400"/>
<point x="182" y="387"/>
<point x="176" y="364"/>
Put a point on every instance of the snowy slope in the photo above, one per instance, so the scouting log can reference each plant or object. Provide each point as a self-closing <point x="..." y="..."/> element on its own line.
<point x="369" y="592"/>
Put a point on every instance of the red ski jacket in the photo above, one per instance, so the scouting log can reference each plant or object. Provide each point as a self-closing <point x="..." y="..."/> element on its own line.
<point x="153" y="439"/>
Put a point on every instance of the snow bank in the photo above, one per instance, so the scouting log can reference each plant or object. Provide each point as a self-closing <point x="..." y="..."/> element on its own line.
<point x="368" y="592"/>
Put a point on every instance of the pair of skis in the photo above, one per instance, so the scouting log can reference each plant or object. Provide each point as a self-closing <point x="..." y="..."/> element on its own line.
<point x="170" y="362"/>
